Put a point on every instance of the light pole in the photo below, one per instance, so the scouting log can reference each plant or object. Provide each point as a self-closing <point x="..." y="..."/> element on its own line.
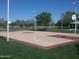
<point x="75" y="10"/>
<point x="35" y="21"/>
<point x="7" y="20"/>
<point x="35" y="25"/>
<point x="62" y="16"/>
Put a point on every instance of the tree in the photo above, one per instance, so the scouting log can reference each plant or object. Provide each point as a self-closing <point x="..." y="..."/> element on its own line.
<point x="29" y="23"/>
<point x="66" y="18"/>
<point x="3" y="22"/>
<point x="18" y="22"/>
<point x="43" y="19"/>
<point x="23" y="23"/>
<point x="59" y="22"/>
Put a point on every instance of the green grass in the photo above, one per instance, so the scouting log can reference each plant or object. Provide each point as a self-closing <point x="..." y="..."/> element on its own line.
<point x="42" y="29"/>
<point x="3" y="29"/>
<point x="13" y="30"/>
<point x="62" y="30"/>
<point x="21" y="51"/>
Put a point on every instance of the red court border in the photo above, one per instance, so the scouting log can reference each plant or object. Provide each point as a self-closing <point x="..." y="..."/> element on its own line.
<point x="64" y="37"/>
<point x="40" y="46"/>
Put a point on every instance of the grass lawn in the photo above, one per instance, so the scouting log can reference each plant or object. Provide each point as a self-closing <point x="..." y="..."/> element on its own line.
<point x="21" y="51"/>
<point x="3" y="29"/>
<point x="48" y="30"/>
<point x="13" y="29"/>
<point x="62" y="30"/>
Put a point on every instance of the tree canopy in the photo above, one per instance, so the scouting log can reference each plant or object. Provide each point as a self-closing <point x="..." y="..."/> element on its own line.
<point x="44" y="18"/>
<point x="3" y="22"/>
<point x="66" y="18"/>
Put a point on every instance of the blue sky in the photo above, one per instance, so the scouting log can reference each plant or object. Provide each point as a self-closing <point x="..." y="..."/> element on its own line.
<point x="27" y="9"/>
<point x="3" y="7"/>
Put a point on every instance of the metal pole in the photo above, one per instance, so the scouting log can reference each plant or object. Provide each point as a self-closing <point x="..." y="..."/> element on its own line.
<point x="62" y="20"/>
<point x="35" y="20"/>
<point x="7" y="20"/>
<point x="76" y="2"/>
<point x="62" y="23"/>
<point x="35" y="25"/>
<point x="75" y="21"/>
